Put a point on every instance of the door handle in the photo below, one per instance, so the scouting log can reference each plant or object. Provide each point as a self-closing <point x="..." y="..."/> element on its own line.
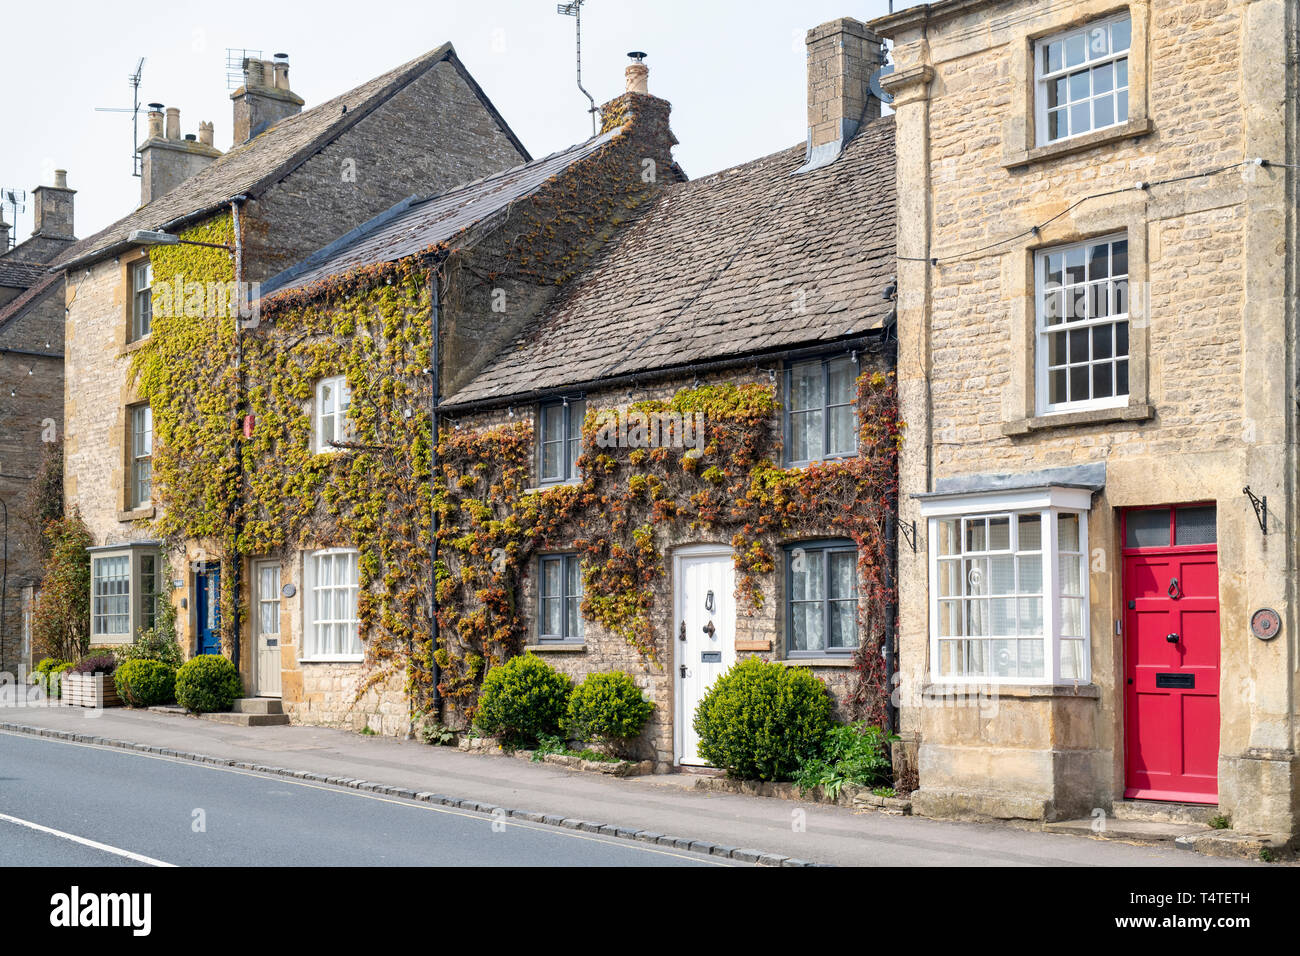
<point x="709" y="629"/>
<point x="1171" y="638"/>
<point x="683" y="671"/>
<point x="681" y="632"/>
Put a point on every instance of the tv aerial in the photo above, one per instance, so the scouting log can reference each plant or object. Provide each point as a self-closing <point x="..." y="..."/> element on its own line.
<point x="134" y="80"/>
<point x="17" y="201"/>
<point x="574" y="9"/>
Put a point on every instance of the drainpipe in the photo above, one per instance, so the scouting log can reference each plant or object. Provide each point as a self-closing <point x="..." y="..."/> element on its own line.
<point x="891" y="617"/>
<point x="4" y="579"/>
<point x="435" y="397"/>
<point x="240" y="385"/>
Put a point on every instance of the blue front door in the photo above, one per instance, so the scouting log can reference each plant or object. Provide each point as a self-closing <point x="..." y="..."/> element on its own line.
<point x="207" y="606"/>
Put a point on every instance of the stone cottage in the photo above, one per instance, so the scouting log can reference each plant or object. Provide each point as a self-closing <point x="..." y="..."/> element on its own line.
<point x="650" y="396"/>
<point x="31" y="397"/>
<point x="212" y="225"/>
<point x="1096" y="364"/>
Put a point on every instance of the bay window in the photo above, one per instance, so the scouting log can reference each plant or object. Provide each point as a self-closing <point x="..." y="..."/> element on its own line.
<point x="125" y="588"/>
<point x="1009" y="587"/>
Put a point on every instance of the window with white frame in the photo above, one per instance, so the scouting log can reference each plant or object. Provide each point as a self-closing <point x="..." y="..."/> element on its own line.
<point x="1082" y="305"/>
<point x="1082" y="80"/>
<point x="125" y="590"/>
<point x="333" y="397"/>
<point x="559" y="598"/>
<point x="821" y="417"/>
<point x="141" y="300"/>
<point x="331" y="606"/>
<point x="141" y="487"/>
<point x="559" y="441"/>
<point x="1009" y="592"/>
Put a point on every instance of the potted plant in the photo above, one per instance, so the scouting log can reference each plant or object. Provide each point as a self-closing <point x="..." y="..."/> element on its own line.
<point x="89" y="682"/>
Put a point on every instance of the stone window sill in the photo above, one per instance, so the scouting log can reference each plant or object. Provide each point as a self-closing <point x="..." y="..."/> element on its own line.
<point x="1095" y="416"/>
<point x="818" y="662"/>
<point x="556" y="648"/>
<point x="137" y="514"/>
<point x="940" y="691"/>
<point x="1103" y="137"/>
<point x="135" y="346"/>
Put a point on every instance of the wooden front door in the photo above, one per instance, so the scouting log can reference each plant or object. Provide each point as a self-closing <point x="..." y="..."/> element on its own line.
<point x="1171" y="628"/>
<point x="266" y="623"/>
<point x="705" y="638"/>
<point x="207" y="609"/>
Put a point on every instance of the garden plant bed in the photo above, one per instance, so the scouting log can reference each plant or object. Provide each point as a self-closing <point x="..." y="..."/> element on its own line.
<point x="611" y="768"/>
<point x="855" y="797"/>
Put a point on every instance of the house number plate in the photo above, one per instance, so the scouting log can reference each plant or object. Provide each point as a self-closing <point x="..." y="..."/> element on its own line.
<point x="1265" y="623"/>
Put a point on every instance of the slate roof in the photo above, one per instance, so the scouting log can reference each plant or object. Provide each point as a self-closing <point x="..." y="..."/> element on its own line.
<point x="17" y="274"/>
<point x="19" y="303"/>
<point x="749" y="260"/>
<point x="416" y="224"/>
<point x="268" y="157"/>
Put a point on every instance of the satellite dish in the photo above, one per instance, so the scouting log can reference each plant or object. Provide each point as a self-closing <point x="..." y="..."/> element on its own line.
<point x="874" y="83"/>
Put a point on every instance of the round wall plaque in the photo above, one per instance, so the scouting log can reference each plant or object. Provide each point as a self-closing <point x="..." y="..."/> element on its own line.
<point x="289" y="590"/>
<point x="1265" y="623"/>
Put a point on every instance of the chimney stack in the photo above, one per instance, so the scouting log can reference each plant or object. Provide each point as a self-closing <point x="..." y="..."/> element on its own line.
<point x="265" y="97"/>
<point x="842" y="56"/>
<point x="53" y="208"/>
<point x="167" y="158"/>
<point x="4" y="236"/>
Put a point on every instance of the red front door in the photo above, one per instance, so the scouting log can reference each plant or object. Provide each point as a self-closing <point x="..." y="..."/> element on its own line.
<point x="1171" y="628"/>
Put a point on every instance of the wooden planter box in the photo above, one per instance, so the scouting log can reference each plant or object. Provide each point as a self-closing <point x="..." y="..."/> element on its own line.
<point x="89" y="690"/>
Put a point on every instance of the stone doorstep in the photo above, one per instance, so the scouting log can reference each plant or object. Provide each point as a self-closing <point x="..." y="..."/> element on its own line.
<point x="740" y="854"/>
<point x="857" y="798"/>
<point x="1183" y="835"/>
<point x="256" y="716"/>
<point x="1159" y="811"/>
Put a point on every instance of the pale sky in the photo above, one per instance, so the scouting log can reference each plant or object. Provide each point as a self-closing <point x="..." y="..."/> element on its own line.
<point x="733" y="70"/>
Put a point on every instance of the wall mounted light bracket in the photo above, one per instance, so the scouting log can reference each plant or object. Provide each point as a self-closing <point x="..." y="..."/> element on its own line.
<point x="1261" y="508"/>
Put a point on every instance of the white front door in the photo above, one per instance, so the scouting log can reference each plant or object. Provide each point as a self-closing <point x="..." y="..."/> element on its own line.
<point x="266" y="624"/>
<point x="704" y="634"/>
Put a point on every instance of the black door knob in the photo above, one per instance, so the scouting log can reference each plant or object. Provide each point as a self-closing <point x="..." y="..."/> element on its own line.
<point x="1171" y="638"/>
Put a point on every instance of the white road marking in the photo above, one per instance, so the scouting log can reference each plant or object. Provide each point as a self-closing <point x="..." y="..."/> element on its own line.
<point x="93" y="844"/>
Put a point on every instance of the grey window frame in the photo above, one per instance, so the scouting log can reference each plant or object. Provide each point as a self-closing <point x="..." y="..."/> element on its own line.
<point x="787" y="412"/>
<point x="141" y="301"/>
<point x="823" y="548"/>
<point x="573" y="411"/>
<point x="565" y="560"/>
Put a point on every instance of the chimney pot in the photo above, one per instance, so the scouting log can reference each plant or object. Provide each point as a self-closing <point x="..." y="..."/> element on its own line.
<point x="155" y="120"/>
<point x="173" y="122"/>
<point x="637" y="73"/>
<point x="205" y="133"/>
<point x="60" y="179"/>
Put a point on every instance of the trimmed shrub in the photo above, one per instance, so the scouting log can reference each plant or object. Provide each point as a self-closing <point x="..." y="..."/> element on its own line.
<point x="96" y="662"/>
<point x="145" y="683"/>
<point x="761" y="718"/>
<point x="608" y="709"/>
<point x="208" y="683"/>
<point x="521" y="700"/>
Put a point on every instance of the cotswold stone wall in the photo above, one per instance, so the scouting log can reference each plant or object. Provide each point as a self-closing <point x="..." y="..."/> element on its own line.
<point x="1211" y="408"/>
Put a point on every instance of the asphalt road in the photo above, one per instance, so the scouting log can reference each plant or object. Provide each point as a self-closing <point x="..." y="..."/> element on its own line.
<point x="64" y="804"/>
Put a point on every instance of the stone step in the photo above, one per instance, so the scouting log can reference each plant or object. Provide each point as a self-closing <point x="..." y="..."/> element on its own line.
<point x="1160" y="811"/>
<point x="258" y="705"/>
<point x="248" y="720"/>
<point x="1130" y="831"/>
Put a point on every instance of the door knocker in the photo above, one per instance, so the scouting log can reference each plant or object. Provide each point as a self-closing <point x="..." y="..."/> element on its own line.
<point x="1175" y="589"/>
<point x="708" y="602"/>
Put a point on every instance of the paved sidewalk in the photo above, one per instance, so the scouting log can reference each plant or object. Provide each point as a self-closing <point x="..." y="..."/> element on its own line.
<point x="665" y="803"/>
